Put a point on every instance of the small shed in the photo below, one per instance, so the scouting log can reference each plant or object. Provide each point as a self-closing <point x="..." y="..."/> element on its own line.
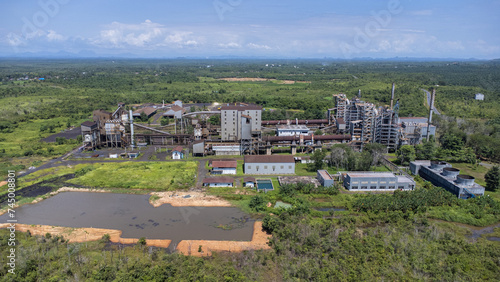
<point x="479" y="96"/>
<point x="133" y="155"/>
<point x="221" y="181"/>
<point x="324" y="178"/>
<point x="249" y="182"/>
<point x="177" y="153"/>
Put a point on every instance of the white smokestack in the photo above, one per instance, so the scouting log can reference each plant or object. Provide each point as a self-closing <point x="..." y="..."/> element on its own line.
<point x="131" y="129"/>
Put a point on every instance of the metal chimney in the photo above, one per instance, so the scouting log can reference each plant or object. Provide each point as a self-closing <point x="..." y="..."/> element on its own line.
<point x="131" y="129"/>
<point x="392" y="96"/>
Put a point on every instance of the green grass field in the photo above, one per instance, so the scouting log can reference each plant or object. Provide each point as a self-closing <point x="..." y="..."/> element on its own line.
<point x="127" y="175"/>
<point x="140" y="175"/>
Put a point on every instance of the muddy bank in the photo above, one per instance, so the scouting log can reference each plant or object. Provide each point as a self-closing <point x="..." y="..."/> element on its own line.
<point x="188" y="199"/>
<point x="186" y="247"/>
<point x="39" y="189"/>
<point x="192" y="247"/>
<point x="78" y="235"/>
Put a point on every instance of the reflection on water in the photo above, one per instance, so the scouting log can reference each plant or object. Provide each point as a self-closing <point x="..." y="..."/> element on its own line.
<point x="135" y="217"/>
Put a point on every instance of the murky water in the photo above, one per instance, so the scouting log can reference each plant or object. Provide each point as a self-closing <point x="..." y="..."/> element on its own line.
<point x="137" y="218"/>
<point x="329" y="209"/>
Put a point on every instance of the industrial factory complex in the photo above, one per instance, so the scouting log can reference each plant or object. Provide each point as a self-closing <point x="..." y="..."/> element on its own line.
<point x="187" y="133"/>
<point x="243" y="132"/>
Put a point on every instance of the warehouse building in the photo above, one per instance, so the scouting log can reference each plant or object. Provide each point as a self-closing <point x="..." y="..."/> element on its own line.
<point x="442" y="174"/>
<point x="269" y="164"/>
<point x="376" y="181"/>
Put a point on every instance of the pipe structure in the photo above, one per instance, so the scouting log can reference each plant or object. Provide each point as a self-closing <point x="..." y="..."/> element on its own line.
<point x="433" y="97"/>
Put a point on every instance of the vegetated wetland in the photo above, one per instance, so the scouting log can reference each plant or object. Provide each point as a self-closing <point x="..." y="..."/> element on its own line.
<point x="374" y="237"/>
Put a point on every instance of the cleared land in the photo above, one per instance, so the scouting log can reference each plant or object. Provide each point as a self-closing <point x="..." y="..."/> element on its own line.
<point x="256" y="79"/>
<point x="188" y="199"/>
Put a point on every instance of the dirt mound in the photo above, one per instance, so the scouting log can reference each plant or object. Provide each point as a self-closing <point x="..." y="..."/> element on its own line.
<point x="192" y="247"/>
<point x="188" y="199"/>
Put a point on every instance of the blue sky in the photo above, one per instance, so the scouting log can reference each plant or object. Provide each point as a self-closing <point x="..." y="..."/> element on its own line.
<point x="288" y="29"/>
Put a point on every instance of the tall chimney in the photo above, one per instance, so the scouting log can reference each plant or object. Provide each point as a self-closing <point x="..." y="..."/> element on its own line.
<point x="433" y="97"/>
<point x="392" y="96"/>
<point x="131" y="129"/>
<point x="359" y="93"/>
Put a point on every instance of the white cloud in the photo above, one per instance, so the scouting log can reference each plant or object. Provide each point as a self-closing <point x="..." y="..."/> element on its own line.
<point x="138" y="35"/>
<point x="484" y="47"/>
<point x="54" y="36"/>
<point x="229" y="45"/>
<point x="258" y="46"/>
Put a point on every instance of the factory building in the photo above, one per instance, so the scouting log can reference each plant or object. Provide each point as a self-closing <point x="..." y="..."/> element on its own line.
<point x="414" y="129"/>
<point x="442" y="174"/>
<point x="359" y="116"/>
<point x="376" y="181"/>
<point x="240" y="122"/>
<point x="269" y="164"/>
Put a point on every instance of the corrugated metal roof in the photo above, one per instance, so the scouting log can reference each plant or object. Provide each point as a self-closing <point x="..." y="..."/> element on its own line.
<point x="178" y="149"/>
<point x="220" y="179"/>
<point x="89" y="123"/>
<point x="224" y="164"/>
<point x="270" y="159"/>
<point x="241" y="107"/>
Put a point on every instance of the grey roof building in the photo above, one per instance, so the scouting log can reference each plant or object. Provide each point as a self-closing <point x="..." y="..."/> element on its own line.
<point x="269" y="164"/>
<point x="443" y="175"/>
<point x="324" y="178"/>
<point x="376" y="181"/>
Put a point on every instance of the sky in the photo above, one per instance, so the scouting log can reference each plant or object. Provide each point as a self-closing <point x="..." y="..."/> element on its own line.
<point x="342" y="29"/>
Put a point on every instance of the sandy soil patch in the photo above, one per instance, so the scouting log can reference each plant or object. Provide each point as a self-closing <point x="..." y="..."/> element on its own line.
<point x="240" y="79"/>
<point x="188" y="199"/>
<point x="78" y="235"/>
<point x="259" y="241"/>
<point x="244" y="79"/>
<point x="2" y="183"/>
